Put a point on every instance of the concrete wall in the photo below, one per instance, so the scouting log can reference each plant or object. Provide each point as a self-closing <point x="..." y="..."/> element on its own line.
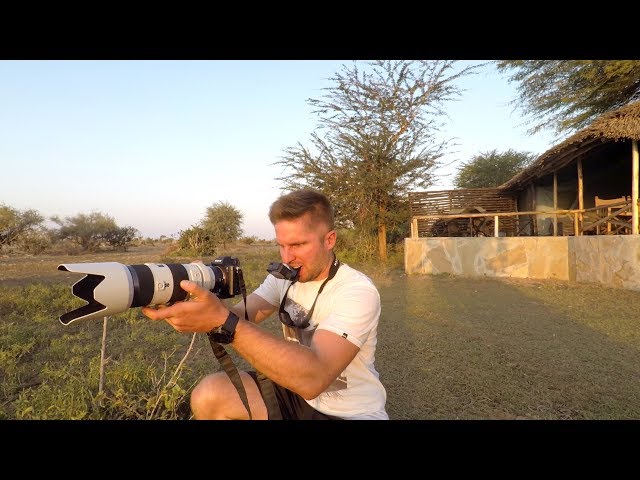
<point x="612" y="260"/>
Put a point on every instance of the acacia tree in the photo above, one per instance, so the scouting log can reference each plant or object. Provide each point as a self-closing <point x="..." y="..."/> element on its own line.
<point x="491" y="169"/>
<point x="196" y="241"/>
<point x="376" y="139"/>
<point x="15" y="224"/>
<point x="121" y="237"/>
<point x="87" y="230"/>
<point x="567" y="95"/>
<point x="222" y="221"/>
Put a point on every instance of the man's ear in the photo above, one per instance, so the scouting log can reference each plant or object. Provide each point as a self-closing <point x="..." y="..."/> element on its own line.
<point x="330" y="239"/>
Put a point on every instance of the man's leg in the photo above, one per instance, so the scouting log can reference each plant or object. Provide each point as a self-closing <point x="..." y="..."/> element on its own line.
<point x="216" y="398"/>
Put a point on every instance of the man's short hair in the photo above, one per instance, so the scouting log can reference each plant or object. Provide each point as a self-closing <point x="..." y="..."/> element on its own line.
<point x="299" y="202"/>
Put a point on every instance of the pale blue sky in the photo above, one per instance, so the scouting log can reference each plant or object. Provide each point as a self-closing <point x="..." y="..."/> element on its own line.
<point x="154" y="143"/>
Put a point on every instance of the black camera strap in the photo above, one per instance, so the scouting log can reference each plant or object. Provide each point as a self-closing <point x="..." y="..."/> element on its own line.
<point x="225" y="360"/>
<point x="266" y="387"/>
<point x="231" y="370"/>
<point x="335" y="265"/>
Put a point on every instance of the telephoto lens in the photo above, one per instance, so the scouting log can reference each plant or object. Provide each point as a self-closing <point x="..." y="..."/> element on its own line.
<point x="110" y="287"/>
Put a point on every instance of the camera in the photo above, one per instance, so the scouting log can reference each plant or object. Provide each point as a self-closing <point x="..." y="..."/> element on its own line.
<point x="110" y="287"/>
<point x="283" y="271"/>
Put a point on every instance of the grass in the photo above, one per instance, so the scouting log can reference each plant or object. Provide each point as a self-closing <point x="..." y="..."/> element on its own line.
<point x="448" y="347"/>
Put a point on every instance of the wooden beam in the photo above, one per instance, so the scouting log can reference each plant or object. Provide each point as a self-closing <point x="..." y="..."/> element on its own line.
<point x="587" y="149"/>
<point x="555" y="203"/>
<point x="634" y="187"/>
<point x="580" y="193"/>
<point x="556" y="161"/>
<point x="534" y="224"/>
<point x="446" y="216"/>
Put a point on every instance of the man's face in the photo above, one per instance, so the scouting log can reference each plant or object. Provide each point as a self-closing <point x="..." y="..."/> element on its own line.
<point x="306" y="245"/>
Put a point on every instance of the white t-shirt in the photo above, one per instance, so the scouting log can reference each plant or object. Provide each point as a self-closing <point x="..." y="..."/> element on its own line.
<point x="349" y="306"/>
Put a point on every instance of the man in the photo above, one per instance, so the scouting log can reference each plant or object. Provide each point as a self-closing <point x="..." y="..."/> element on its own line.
<point x="324" y="366"/>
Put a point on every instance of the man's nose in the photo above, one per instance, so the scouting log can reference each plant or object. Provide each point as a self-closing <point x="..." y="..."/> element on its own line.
<point x="287" y="255"/>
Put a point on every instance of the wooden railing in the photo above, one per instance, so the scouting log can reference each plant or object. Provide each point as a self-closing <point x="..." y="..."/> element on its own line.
<point x="588" y="220"/>
<point x="612" y="219"/>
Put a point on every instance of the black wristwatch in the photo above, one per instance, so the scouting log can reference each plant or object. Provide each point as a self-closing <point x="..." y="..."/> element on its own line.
<point x="225" y="332"/>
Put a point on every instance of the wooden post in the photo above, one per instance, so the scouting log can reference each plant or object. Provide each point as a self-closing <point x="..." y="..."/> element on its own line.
<point x="534" y="225"/>
<point x="555" y="203"/>
<point x="496" y="227"/>
<point x="580" y="195"/>
<point x="634" y="187"/>
<point x="414" y="228"/>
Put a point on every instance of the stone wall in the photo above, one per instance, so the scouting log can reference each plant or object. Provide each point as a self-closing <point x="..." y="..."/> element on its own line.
<point x="612" y="260"/>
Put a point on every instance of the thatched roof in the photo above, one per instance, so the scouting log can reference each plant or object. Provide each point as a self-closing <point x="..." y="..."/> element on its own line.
<point x="618" y="125"/>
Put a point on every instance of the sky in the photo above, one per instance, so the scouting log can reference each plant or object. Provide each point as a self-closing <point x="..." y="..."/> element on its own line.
<point x="153" y="143"/>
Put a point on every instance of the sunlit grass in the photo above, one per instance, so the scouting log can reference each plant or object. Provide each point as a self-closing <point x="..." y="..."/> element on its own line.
<point x="448" y="348"/>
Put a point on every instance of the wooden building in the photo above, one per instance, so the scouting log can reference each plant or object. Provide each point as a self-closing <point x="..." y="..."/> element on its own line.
<point x="585" y="185"/>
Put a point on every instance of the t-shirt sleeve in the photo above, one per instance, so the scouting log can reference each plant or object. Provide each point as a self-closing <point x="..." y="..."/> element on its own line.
<point x="355" y="313"/>
<point x="269" y="290"/>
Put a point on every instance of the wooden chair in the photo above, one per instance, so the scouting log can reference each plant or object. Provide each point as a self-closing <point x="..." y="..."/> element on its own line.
<point x="608" y="206"/>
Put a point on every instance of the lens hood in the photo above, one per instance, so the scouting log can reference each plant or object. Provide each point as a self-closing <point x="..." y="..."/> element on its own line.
<point x="107" y="288"/>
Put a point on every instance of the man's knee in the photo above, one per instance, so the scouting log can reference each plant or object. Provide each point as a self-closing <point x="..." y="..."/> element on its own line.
<point x="207" y="395"/>
<point x="215" y="398"/>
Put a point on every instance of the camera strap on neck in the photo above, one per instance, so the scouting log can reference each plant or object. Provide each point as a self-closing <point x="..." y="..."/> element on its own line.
<point x="335" y="265"/>
<point x="231" y="370"/>
<point x="266" y="386"/>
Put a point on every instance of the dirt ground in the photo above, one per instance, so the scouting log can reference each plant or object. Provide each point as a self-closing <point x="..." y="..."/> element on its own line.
<point x="20" y="269"/>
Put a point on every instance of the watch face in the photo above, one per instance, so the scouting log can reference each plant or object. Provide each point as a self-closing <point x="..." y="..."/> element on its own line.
<point x="225" y="332"/>
<point x="222" y="336"/>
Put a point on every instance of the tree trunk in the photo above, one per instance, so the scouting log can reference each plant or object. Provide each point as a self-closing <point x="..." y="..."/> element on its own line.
<point x="382" y="235"/>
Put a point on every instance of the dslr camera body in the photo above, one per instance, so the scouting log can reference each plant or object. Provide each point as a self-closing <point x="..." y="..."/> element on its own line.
<point x="283" y="271"/>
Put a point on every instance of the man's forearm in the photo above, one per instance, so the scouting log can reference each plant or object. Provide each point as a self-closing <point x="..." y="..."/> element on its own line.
<point x="289" y="364"/>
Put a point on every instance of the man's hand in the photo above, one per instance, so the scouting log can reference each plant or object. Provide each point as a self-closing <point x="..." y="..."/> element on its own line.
<point x="201" y="313"/>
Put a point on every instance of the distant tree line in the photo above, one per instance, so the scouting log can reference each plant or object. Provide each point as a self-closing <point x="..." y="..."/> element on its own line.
<point x="25" y="231"/>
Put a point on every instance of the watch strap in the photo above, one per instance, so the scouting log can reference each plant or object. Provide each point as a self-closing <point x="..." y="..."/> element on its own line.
<point x="231" y="322"/>
<point x="229" y="327"/>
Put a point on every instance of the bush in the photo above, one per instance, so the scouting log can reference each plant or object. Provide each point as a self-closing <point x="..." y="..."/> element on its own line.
<point x="249" y="240"/>
<point x="196" y="241"/>
<point x="354" y="246"/>
<point x="120" y="237"/>
<point x="34" y="242"/>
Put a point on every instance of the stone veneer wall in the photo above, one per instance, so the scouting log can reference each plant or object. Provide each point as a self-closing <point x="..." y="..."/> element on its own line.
<point x="609" y="260"/>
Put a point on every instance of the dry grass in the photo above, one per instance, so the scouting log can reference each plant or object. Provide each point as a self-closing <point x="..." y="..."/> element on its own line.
<point x="479" y="348"/>
<point x="460" y="348"/>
